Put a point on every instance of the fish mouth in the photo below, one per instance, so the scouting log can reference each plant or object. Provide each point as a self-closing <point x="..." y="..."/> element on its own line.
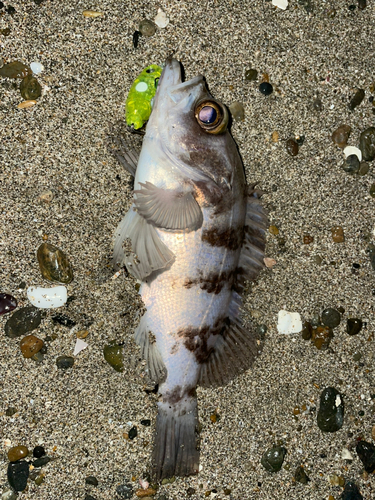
<point x="170" y="82"/>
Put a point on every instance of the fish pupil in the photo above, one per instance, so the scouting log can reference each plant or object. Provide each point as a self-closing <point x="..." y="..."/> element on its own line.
<point x="208" y="115"/>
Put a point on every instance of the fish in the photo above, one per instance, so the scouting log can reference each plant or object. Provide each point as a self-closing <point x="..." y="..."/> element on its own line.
<point x="193" y="236"/>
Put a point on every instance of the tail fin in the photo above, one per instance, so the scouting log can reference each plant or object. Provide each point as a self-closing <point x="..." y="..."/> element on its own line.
<point x="176" y="450"/>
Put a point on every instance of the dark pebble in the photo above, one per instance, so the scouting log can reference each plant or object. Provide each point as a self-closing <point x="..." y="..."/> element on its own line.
<point x="53" y="263"/>
<point x="265" y="88"/>
<point x="331" y="412"/>
<point x="63" y="320"/>
<point x="124" y="491"/>
<point x="30" y="88"/>
<point x="23" y="321"/>
<point x="300" y="140"/>
<point x="251" y="75"/>
<point x="357" y="99"/>
<point x="300" y="475"/>
<point x="1" y="5"/>
<point x="133" y="433"/>
<point x="15" y="69"/>
<point x="10" y="10"/>
<point x="371" y="252"/>
<point x="351" y="492"/>
<point x="18" y="474"/>
<point x="113" y="354"/>
<point x="64" y="362"/>
<point x="89" y="497"/>
<point x="92" y="480"/>
<point x="307" y="5"/>
<point x="367" y="144"/>
<point x="7" y="303"/>
<point x="341" y="135"/>
<point x="366" y="453"/>
<point x="261" y="331"/>
<point x="146" y="422"/>
<point x="321" y="337"/>
<point x="364" y="167"/>
<point x="353" y="326"/>
<point x="331" y="317"/>
<point x="362" y="4"/>
<point x="40" y="462"/>
<point x="190" y="491"/>
<point x="38" y="452"/>
<point x="351" y="7"/>
<point x="136" y="36"/>
<point x="351" y="164"/>
<point x="10" y="411"/>
<point x="292" y="147"/>
<point x="273" y="458"/>
<point x="306" y="330"/>
<point x="372" y="190"/>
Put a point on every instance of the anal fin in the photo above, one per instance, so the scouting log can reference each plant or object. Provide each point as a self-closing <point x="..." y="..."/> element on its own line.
<point x="149" y="351"/>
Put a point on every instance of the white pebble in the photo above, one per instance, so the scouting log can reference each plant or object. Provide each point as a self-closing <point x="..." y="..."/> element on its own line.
<point x="161" y="20"/>
<point x="36" y="68"/>
<point x="346" y="455"/>
<point x="47" y="298"/>
<point x="289" y="322"/>
<point x="352" y="150"/>
<point x="80" y="345"/>
<point x="282" y="4"/>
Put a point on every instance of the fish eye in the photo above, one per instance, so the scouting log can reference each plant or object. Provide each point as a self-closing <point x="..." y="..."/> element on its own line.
<point x="150" y="70"/>
<point x="211" y="116"/>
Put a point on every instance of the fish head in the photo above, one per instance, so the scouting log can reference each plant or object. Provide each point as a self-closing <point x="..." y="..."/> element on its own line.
<point x="192" y="128"/>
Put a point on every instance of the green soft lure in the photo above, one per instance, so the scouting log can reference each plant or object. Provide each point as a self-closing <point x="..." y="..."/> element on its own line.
<point x="138" y="104"/>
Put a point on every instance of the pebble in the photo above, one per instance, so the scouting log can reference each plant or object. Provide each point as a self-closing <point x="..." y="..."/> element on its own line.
<point x="54" y="264"/>
<point x="300" y="475"/>
<point x="9" y="495"/>
<point x="161" y="20"/>
<point x="133" y="433"/>
<point x="46" y="197"/>
<point x="364" y="167"/>
<point x="351" y="164"/>
<point x="273" y="230"/>
<point x="40" y="462"/>
<point x="47" y="298"/>
<point x="64" y="362"/>
<point x="17" y="452"/>
<point x="63" y="320"/>
<point x="146" y="422"/>
<point x="18" y="473"/>
<point x="91" y="480"/>
<point x="338" y="234"/>
<point x="26" y="104"/>
<point x="366" y="453"/>
<point x="30" y="345"/>
<point x="352" y="150"/>
<point x="80" y="346"/>
<point x="292" y="147"/>
<point x="362" y="4"/>
<point x="331" y="411"/>
<point x="149" y="492"/>
<point x="30" y="88"/>
<point x="89" y="497"/>
<point x="147" y="28"/>
<point x="346" y="455"/>
<point x="22" y="321"/>
<point x="281" y="4"/>
<point x="7" y="303"/>
<point x="136" y="36"/>
<point x="251" y="75"/>
<point x="317" y="104"/>
<point x="273" y="458"/>
<point x="353" y="326"/>
<point x="36" y="68"/>
<point x="341" y="135"/>
<point x="331" y="317"/>
<point x="306" y="330"/>
<point x="92" y="13"/>
<point x="38" y="451"/>
<point x="15" y="69"/>
<point x="125" y="491"/>
<point x="114" y="356"/>
<point x="288" y="322"/>
<point x="321" y="337"/>
<point x="356" y="99"/>
<point x="307" y="239"/>
<point x="237" y="111"/>
<point x="367" y="144"/>
<point x="265" y="88"/>
<point x="351" y="492"/>
<point x="82" y="334"/>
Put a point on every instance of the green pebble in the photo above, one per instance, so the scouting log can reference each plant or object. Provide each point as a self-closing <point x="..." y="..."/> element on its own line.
<point x="273" y="458"/>
<point x="23" y="321"/>
<point x="331" y="317"/>
<point x="354" y="326"/>
<point x="147" y="28"/>
<point x="372" y="190"/>
<point x="30" y="88"/>
<point x="114" y="356"/>
<point x="64" y="362"/>
<point x="300" y="475"/>
<point x="54" y="264"/>
<point x="39" y="480"/>
<point x="251" y="75"/>
<point x="367" y="144"/>
<point x="15" y="69"/>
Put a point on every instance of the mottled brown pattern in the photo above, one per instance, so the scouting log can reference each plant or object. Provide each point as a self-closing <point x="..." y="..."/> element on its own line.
<point x="196" y="338"/>
<point x="212" y="283"/>
<point x="220" y="199"/>
<point x="230" y="238"/>
<point x="178" y="393"/>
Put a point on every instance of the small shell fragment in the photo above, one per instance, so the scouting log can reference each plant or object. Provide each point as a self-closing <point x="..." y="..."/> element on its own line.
<point x="26" y="104"/>
<point x="352" y="150"/>
<point x="161" y="20"/>
<point x="269" y="262"/>
<point x="92" y="13"/>
<point x="282" y="4"/>
<point x="289" y="322"/>
<point x="47" y="298"/>
<point x="36" y="68"/>
<point x="346" y="455"/>
<point x="80" y="345"/>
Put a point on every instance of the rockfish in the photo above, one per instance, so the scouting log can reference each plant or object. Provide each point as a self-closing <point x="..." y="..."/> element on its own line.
<point x="194" y="233"/>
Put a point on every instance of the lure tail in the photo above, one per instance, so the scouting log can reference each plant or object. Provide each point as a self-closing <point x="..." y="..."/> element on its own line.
<point x="176" y="451"/>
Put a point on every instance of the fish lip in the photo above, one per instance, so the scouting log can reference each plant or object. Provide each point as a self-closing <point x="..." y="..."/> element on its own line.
<point x="171" y="74"/>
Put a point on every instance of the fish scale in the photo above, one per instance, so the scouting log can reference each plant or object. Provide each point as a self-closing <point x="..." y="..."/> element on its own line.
<point x="194" y="234"/>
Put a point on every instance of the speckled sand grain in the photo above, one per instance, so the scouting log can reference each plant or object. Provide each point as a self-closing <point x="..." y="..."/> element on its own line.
<point x="80" y="415"/>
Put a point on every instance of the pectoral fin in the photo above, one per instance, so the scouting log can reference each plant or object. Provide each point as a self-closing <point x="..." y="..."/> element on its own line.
<point x="168" y="209"/>
<point x="139" y="247"/>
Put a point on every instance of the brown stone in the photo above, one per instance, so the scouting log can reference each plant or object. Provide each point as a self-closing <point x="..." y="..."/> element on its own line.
<point x="307" y="239"/>
<point x="30" y="345"/>
<point x="54" y="264"/>
<point x="337" y="234"/>
<point x="292" y="147"/>
<point x="341" y="135"/>
<point x="17" y="452"/>
<point x="148" y="492"/>
<point x="321" y="337"/>
<point x="373" y="433"/>
<point x="273" y="230"/>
